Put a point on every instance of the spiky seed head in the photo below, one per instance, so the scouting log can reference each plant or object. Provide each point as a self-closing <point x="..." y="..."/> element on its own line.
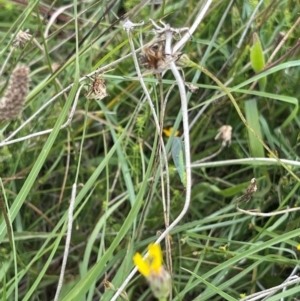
<point x="12" y="102"/>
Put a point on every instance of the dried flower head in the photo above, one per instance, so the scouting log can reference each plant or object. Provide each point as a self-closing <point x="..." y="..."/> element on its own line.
<point x="151" y="267"/>
<point x="155" y="59"/>
<point x="192" y="88"/>
<point x="97" y="89"/>
<point x="55" y="66"/>
<point x="12" y="102"/>
<point x="225" y="133"/>
<point x="128" y="25"/>
<point x="21" y="38"/>
<point x="251" y="189"/>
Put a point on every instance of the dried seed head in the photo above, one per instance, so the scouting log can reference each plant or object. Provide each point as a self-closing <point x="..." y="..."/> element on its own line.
<point x="225" y="133"/>
<point x="109" y="286"/>
<point x="155" y="59"/>
<point x="97" y="90"/>
<point x="251" y="189"/>
<point x="55" y="66"/>
<point x="12" y="102"/>
<point x="21" y="38"/>
<point x="192" y="88"/>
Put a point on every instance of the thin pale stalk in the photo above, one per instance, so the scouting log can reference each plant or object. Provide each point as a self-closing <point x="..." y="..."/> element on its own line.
<point x="182" y="91"/>
<point x="194" y="26"/>
<point x="67" y="246"/>
<point x="163" y="162"/>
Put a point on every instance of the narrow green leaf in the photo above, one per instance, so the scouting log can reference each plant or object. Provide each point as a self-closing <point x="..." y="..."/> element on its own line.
<point x="216" y="289"/>
<point x="252" y="116"/>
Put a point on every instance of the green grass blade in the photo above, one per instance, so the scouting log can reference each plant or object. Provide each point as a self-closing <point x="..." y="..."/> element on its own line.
<point x="252" y="117"/>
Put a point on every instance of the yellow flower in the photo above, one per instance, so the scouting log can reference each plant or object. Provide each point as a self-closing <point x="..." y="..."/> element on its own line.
<point x="298" y="247"/>
<point x="151" y="267"/>
<point x="168" y="132"/>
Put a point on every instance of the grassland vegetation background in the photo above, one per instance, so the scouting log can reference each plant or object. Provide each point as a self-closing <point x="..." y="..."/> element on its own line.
<point x="109" y="155"/>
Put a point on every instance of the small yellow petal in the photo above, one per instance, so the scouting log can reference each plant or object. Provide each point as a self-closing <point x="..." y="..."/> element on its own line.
<point x="155" y="256"/>
<point x="141" y="265"/>
<point x="298" y="247"/>
<point x="168" y="132"/>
